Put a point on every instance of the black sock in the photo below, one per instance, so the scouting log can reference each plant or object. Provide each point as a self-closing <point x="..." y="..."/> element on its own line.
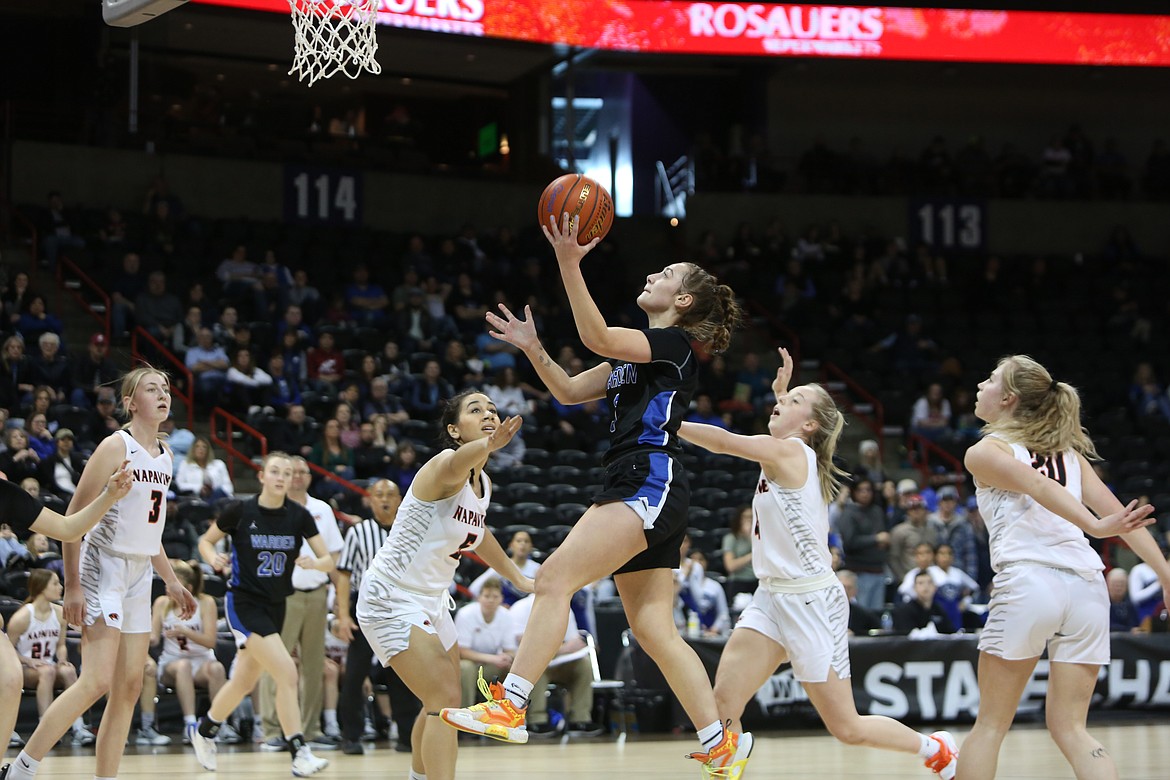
<point x="295" y="743"/>
<point x="208" y="728"/>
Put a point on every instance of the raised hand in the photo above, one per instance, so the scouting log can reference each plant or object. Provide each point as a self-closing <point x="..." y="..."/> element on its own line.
<point x="1131" y="518"/>
<point x="783" y="373"/>
<point x="120" y="482"/>
<point x="520" y="333"/>
<point x="564" y="238"/>
<point x="500" y="437"/>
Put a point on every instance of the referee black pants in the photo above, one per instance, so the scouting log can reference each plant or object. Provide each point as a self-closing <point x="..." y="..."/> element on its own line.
<point x="404" y="706"/>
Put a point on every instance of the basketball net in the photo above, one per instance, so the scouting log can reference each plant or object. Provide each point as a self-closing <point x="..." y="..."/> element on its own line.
<point x="334" y="36"/>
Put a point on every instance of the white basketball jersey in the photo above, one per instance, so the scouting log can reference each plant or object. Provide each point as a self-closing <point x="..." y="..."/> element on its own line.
<point x="41" y="638"/>
<point x="790" y="527"/>
<point x="422" y="550"/>
<point x="1020" y="529"/>
<point x="134" y="525"/>
<point x="183" y="647"/>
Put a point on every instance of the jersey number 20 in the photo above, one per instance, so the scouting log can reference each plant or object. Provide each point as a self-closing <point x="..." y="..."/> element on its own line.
<point x="271" y="563"/>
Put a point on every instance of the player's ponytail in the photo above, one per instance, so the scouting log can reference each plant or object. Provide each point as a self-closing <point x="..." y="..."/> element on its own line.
<point x="714" y="312"/>
<point x="830" y="422"/>
<point x="1047" y="415"/>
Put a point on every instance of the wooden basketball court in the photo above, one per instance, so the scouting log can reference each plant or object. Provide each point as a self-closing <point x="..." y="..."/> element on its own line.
<point x="1141" y="750"/>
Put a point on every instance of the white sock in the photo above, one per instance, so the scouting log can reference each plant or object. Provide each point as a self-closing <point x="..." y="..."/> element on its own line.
<point x="711" y="736"/>
<point x="928" y="747"/>
<point x="78" y="725"/>
<point x="189" y="720"/>
<point x="330" y="719"/>
<point x="416" y="776"/>
<point x="24" y="767"/>
<point x="517" y="689"/>
<point x="147" y="720"/>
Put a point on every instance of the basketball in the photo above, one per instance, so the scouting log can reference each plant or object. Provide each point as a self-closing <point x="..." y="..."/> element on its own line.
<point x="582" y="197"/>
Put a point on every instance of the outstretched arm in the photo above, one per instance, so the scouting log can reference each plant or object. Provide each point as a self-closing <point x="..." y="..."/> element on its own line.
<point x="446" y="472"/>
<point x="1102" y="501"/>
<point x="991" y="463"/>
<point x="598" y="337"/>
<point x="70" y="528"/>
<point x="521" y="333"/>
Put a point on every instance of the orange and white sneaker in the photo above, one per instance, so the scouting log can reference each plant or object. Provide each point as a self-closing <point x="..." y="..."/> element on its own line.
<point x="728" y="759"/>
<point x="945" y="762"/>
<point x="497" y="717"/>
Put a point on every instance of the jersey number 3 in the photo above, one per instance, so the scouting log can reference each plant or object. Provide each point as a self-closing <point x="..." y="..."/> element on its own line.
<point x="156" y="497"/>
<point x="470" y="540"/>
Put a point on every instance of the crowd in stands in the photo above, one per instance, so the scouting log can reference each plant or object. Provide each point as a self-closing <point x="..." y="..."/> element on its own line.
<point x="347" y="364"/>
<point x="1070" y="165"/>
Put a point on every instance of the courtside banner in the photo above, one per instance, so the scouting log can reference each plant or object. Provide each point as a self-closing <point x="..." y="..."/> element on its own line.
<point x="758" y="29"/>
<point x="935" y="680"/>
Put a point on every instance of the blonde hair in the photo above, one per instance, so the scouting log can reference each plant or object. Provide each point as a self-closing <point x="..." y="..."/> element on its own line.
<point x="830" y="422"/>
<point x="1047" y="416"/>
<point x="714" y="312"/>
<point x="130" y="384"/>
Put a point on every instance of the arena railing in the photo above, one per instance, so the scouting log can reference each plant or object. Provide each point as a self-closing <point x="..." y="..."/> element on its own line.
<point x="924" y="452"/>
<point x="860" y="402"/>
<point x="230" y="425"/>
<point x="66" y="268"/>
<point x="185" y="391"/>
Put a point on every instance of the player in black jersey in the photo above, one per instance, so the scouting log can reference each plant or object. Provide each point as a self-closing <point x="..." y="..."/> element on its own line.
<point x="267" y="531"/>
<point x="24" y="514"/>
<point x="637" y="522"/>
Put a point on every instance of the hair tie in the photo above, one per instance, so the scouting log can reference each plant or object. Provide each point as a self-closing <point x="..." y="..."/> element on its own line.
<point x="1052" y="387"/>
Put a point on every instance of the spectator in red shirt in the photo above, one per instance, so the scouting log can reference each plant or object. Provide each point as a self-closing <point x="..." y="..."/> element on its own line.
<point x="326" y="364"/>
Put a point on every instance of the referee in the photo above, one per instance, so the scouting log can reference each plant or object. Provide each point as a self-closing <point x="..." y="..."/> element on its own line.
<point x="362" y="543"/>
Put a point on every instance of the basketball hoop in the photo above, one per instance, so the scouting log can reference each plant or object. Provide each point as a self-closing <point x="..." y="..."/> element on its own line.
<point x="334" y="36"/>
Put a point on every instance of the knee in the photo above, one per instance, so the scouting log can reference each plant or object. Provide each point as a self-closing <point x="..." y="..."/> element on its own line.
<point x="46" y="674"/>
<point x="449" y="694"/>
<point x="1062" y="727"/>
<point x="848" y="732"/>
<point x="215" y="671"/>
<point x="551" y="583"/>
<point x="96" y="684"/>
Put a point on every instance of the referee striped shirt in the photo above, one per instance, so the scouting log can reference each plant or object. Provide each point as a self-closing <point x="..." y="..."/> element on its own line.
<point x="361" y="545"/>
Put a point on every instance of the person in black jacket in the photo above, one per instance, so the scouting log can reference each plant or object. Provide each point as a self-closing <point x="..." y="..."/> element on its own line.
<point x="922" y="611"/>
<point x="60" y="471"/>
<point x="866" y="544"/>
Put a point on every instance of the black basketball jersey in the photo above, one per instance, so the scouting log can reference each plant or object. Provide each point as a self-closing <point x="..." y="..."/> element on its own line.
<point x="18" y="509"/>
<point x="265" y="545"/>
<point x="650" y="399"/>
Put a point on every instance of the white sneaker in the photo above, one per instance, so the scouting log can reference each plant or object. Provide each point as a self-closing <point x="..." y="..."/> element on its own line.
<point x="305" y="763"/>
<point x="393" y="735"/>
<point x="189" y="730"/>
<point x="15" y="741"/>
<point x="228" y="735"/>
<point x="369" y="733"/>
<point x="83" y="737"/>
<point x="332" y="731"/>
<point x="204" y="750"/>
<point x="148" y="736"/>
<point x="945" y="762"/>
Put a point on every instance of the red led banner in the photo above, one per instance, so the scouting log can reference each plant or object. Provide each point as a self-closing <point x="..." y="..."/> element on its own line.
<point x="791" y="30"/>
